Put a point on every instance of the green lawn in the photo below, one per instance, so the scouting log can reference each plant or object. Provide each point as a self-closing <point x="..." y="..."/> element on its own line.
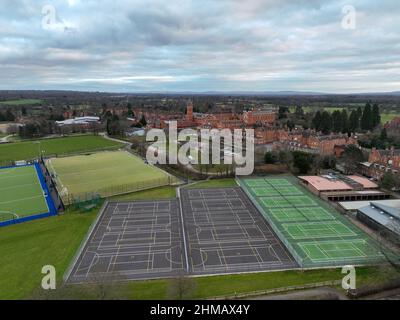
<point x="25" y="248"/>
<point x="385" y="117"/>
<point x="21" y="102"/>
<point x="107" y="173"/>
<point x="30" y="149"/>
<point x="215" y="183"/>
<point x="166" y="192"/>
<point x="21" y="193"/>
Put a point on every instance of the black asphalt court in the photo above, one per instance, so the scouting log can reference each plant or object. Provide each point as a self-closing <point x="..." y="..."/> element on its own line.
<point x="226" y="234"/>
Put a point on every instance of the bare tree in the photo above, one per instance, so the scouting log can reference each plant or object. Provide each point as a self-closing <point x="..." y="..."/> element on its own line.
<point x="182" y="287"/>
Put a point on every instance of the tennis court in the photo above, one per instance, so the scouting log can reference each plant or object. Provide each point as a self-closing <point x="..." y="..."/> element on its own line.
<point x="274" y="202"/>
<point x="105" y="173"/>
<point x="288" y="190"/>
<point x="332" y="250"/>
<point x="22" y="193"/>
<point x="287" y="215"/>
<point x="314" y="233"/>
<point x="312" y="230"/>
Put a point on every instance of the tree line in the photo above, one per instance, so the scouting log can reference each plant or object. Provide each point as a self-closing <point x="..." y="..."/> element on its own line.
<point x="341" y="122"/>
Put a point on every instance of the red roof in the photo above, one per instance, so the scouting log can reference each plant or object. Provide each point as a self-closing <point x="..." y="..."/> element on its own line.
<point x="324" y="184"/>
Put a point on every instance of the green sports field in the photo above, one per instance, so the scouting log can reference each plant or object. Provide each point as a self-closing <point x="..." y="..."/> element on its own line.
<point x="21" y="102"/>
<point x="107" y="173"/>
<point x="29" y="150"/>
<point x="313" y="232"/>
<point x="21" y="194"/>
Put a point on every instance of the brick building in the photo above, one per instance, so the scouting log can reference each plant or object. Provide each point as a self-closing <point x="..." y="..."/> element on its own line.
<point x="381" y="161"/>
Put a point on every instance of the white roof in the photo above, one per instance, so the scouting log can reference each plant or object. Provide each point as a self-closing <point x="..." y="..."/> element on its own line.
<point x="355" y="205"/>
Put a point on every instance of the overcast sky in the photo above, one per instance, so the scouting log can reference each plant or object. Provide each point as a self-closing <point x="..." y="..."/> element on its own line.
<point x="202" y="45"/>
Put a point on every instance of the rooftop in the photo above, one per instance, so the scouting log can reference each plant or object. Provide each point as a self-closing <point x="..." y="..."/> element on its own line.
<point x="335" y="183"/>
<point x="386" y="216"/>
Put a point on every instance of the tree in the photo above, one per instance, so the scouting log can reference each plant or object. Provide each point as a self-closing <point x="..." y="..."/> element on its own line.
<point x="354" y="121"/>
<point x="181" y="287"/>
<point x="271" y="157"/>
<point x="299" y="112"/>
<point x="302" y="161"/>
<point x="143" y="121"/>
<point x="366" y="119"/>
<point x="337" y="124"/>
<point x="290" y="124"/>
<point x="285" y="157"/>
<point x="389" y="181"/>
<point x="316" y="121"/>
<point x="383" y="136"/>
<point x="345" y="121"/>
<point x="282" y="112"/>
<point x="376" y="116"/>
<point x="9" y="116"/>
<point x="326" y="122"/>
<point x="351" y="158"/>
<point x="329" y="162"/>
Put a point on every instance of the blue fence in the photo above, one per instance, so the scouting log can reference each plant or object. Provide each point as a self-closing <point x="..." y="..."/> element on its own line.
<point x="50" y="204"/>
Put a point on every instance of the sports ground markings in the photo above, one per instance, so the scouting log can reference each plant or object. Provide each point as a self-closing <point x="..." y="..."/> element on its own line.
<point x="315" y="230"/>
<point x="22" y="192"/>
<point x="336" y="250"/>
<point x="287" y="215"/>
<point x="316" y="214"/>
<point x="228" y="234"/>
<point x="300" y="201"/>
<point x="265" y="191"/>
<point x="256" y="182"/>
<point x="132" y="240"/>
<point x="288" y="190"/>
<point x="274" y="202"/>
<point x="278" y="182"/>
<point x="279" y="213"/>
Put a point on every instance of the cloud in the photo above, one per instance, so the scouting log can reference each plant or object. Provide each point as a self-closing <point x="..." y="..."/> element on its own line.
<point x="204" y="45"/>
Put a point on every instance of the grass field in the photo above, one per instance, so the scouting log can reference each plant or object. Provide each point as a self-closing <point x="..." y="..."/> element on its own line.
<point x="27" y="247"/>
<point x="21" y="102"/>
<point x="385" y="117"/>
<point x="314" y="233"/>
<point x="215" y="183"/>
<point x="30" y="149"/>
<point x="107" y="173"/>
<point x="21" y="193"/>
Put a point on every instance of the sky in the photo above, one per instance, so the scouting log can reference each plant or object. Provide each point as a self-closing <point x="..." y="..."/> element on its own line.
<point x="199" y="46"/>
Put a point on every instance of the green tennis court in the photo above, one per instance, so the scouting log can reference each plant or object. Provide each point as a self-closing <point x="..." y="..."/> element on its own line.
<point x="278" y="182"/>
<point x="298" y="201"/>
<point x="316" y="214"/>
<point x="265" y="191"/>
<point x="288" y="190"/>
<point x="314" y="233"/>
<point x="316" y="230"/>
<point x="274" y="202"/>
<point x="337" y="250"/>
<point x="256" y="182"/>
<point x="287" y="215"/>
<point x="21" y="193"/>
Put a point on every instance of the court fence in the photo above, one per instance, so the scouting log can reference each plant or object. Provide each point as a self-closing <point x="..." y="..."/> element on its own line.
<point x="302" y="259"/>
<point x="110" y="191"/>
<point x="278" y="290"/>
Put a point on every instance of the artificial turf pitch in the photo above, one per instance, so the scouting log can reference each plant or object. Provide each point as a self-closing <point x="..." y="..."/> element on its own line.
<point x="314" y="233"/>
<point x="106" y="173"/>
<point x="21" y="193"/>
